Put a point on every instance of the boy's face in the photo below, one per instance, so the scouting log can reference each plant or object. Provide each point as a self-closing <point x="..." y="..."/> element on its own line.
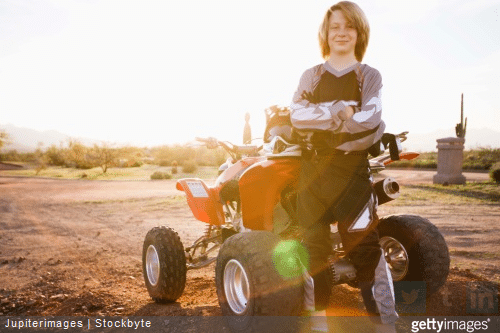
<point x="342" y="35"/>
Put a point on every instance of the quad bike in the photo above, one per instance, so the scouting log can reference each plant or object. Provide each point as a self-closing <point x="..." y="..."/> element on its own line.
<point x="249" y="214"/>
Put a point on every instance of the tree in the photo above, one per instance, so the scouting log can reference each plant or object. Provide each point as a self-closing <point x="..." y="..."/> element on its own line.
<point x="3" y="138"/>
<point x="103" y="156"/>
<point x="40" y="159"/>
<point x="56" y="156"/>
<point x="78" y="155"/>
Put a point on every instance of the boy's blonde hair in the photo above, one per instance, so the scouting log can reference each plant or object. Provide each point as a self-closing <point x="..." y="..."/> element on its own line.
<point x="356" y="17"/>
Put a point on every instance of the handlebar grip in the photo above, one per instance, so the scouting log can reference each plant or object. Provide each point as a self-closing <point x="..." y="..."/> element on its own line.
<point x="211" y="143"/>
<point x="246" y="150"/>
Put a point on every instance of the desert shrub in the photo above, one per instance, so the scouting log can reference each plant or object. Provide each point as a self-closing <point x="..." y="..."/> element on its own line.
<point x="189" y="166"/>
<point x="475" y="159"/>
<point x="174" y="167"/>
<point x="427" y="164"/>
<point x="79" y="156"/>
<point x="137" y="164"/>
<point x="220" y="156"/>
<point x="161" y="175"/>
<point x="39" y="166"/>
<point x="401" y="164"/>
<point x="423" y="161"/>
<point x="103" y="156"/>
<point x="15" y="156"/>
<point x="495" y="172"/>
<point x="164" y="163"/>
<point x="56" y="156"/>
<point x="481" y="158"/>
<point x="12" y="156"/>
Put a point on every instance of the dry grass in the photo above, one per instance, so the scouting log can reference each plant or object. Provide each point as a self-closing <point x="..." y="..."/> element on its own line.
<point x="138" y="173"/>
<point x="470" y="193"/>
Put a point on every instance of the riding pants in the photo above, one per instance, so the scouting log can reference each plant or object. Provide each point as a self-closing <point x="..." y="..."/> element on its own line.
<point x="337" y="188"/>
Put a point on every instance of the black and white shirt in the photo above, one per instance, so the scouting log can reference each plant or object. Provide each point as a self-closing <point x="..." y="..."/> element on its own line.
<point x="318" y="117"/>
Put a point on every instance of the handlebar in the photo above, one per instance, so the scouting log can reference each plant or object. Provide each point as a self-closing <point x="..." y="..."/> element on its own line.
<point x="232" y="149"/>
<point x="211" y="143"/>
<point x="248" y="150"/>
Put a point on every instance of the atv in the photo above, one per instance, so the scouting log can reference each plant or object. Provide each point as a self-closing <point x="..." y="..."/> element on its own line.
<point x="250" y="234"/>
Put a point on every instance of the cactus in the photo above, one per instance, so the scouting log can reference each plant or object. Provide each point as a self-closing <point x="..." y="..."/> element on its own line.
<point x="461" y="128"/>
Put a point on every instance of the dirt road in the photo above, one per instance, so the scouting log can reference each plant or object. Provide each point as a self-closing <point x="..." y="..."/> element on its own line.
<point x="74" y="248"/>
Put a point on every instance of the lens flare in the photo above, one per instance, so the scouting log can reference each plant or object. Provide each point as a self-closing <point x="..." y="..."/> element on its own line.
<point x="290" y="259"/>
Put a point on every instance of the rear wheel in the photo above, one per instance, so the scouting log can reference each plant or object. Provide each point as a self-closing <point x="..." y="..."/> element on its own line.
<point x="250" y="282"/>
<point x="414" y="250"/>
<point x="164" y="265"/>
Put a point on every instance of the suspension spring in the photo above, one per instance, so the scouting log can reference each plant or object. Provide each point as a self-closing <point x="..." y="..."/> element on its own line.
<point x="208" y="231"/>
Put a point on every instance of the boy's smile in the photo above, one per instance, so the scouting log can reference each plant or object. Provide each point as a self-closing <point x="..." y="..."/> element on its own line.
<point x="342" y="35"/>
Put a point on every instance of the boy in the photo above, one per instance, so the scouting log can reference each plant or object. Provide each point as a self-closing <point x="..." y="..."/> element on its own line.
<point x="336" y="112"/>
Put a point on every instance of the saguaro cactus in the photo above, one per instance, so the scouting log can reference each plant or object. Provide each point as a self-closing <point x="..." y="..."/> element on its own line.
<point x="461" y="128"/>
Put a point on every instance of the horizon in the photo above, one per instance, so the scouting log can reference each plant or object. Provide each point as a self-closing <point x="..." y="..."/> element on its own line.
<point x="418" y="142"/>
<point x="155" y="73"/>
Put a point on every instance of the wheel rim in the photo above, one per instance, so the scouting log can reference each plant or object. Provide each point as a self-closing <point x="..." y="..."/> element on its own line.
<point x="152" y="265"/>
<point x="396" y="256"/>
<point x="236" y="286"/>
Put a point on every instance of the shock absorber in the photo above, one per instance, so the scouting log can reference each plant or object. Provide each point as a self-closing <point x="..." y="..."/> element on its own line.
<point x="208" y="231"/>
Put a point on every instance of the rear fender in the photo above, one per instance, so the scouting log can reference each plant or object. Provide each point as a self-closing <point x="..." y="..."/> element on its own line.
<point x="261" y="186"/>
<point x="202" y="200"/>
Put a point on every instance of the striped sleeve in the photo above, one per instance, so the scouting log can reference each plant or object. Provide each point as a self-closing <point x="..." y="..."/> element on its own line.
<point x="306" y="115"/>
<point x="366" y="126"/>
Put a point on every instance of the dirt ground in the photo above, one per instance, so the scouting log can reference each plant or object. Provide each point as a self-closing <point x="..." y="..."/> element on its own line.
<point x="74" y="248"/>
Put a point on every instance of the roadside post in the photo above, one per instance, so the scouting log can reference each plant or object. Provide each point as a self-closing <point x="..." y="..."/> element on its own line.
<point x="450" y="154"/>
<point x="450" y="159"/>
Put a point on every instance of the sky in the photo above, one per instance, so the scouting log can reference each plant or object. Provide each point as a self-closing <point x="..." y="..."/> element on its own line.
<point x="151" y="72"/>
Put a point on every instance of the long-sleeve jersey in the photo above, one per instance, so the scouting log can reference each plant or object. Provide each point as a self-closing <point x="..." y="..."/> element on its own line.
<point x="320" y="101"/>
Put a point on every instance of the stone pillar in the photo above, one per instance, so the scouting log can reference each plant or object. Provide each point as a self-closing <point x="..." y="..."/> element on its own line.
<point x="450" y="158"/>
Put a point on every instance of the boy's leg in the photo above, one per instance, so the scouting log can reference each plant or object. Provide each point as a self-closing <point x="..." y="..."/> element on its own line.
<point x="361" y="242"/>
<point x="316" y="240"/>
<point x="315" y="234"/>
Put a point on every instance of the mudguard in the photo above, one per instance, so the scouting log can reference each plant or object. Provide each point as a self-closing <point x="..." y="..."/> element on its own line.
<point x="202" y="200"/>
<point x="261" y="186"/>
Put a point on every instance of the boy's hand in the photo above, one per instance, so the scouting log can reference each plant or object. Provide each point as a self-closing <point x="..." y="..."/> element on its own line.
<point x="308" y="96"/>
<point x="347" y="113"/>
<point x="349" y="110"/>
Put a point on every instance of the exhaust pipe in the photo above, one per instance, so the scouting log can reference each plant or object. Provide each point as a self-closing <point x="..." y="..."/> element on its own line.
<point x="386" y="190"/>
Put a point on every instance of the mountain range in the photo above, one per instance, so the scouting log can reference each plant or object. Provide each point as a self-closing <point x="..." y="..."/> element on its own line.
<point x="474" y="138"/>
<point x="26" y="139"/>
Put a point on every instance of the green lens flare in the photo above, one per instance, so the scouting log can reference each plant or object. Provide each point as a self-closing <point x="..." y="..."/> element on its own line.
<point x="290" y="259"/>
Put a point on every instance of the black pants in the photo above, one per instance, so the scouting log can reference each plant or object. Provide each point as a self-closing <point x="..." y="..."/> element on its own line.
<point x="337" y="188"/>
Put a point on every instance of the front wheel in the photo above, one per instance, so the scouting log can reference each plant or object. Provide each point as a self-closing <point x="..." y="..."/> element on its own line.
<point x="164" y="265"/>
<point x="254" y="278"/>
<point x="414" y="250"/>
